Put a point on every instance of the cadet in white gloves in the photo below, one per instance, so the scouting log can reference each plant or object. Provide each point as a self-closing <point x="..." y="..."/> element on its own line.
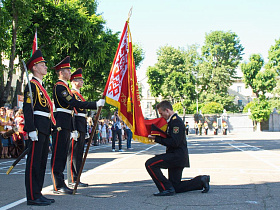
<point x="38" y="115"/>
<point x="66" y="106"/>
<point x="77" y="139"/>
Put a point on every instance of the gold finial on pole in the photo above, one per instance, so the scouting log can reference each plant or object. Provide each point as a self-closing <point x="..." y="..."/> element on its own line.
<point x="129" y="14"/>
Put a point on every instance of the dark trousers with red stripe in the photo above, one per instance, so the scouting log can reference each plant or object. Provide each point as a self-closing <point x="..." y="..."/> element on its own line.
<point x="60" y="145"/>
<point x="36" y="166"/>
<point x="75" y="157"/>
<point x="163" y="161"/>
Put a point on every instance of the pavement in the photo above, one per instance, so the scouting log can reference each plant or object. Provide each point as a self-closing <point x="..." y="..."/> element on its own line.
<point x="244" y="170"/>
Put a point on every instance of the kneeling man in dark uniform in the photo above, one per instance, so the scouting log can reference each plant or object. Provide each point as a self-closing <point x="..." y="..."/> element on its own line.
<point x="175" y="158"/>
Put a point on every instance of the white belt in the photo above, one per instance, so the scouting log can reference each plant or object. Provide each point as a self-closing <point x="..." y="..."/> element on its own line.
<point x="80" y="114"/>
<point x="65" y="110"/>
<point x="41" y="113"/>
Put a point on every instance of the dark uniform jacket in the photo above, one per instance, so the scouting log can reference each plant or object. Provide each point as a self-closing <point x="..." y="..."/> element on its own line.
<point x="80" y="122"/>
<point x="175" y="142"/>
<point x="33" y="122"/>
<point x="63" y="98"/>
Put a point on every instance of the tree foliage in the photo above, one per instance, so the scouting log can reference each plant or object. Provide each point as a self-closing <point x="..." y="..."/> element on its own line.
<point x="138" y="54"/>
<point x="274" y="56"/>
<point x="251" y="69"/>
<point x="221" y="53"/>
<point x="212" y="108"/>
<point x="260" y="110"/>
<point x="64" y="28"/>
<point x="172" y="77"/>
<point x="261" y="82"/>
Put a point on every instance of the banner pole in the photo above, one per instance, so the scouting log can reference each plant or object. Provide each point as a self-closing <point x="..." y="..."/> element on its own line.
<point x="88" y="146"/>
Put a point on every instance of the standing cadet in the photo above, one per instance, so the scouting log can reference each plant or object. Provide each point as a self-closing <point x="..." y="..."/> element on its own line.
<point x="199" y="125"/>
<point x="175" y="158"/>
<point x="187" y="128"/>
<point x="38" y="118"/>
<point x="65" y="104"/>
<point x="76" y="148"/>
<point x="215" y="126"/>
<point x="205" y="128"/>
<point x="225" y="127"/>
<point x="196" y="128"/>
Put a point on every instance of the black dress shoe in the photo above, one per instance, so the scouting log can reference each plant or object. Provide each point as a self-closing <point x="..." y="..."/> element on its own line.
<point x="83" y="184"/>
<point x="38" y="202"/>
<point x="72" y="184"/>
<point x="168" y="192"/>
<point x="205" y="183"/>
<point x="63" y="190"/>
<point x="47" y="199"/>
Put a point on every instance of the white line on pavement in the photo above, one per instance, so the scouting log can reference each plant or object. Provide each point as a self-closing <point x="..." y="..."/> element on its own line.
<point x="49" y="188"/>
<point x="256" y="150"/>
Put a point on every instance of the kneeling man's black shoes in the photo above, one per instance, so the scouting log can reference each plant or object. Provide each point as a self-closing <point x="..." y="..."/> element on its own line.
<point x="168" y="192"/>
<point x="205" y="183"/>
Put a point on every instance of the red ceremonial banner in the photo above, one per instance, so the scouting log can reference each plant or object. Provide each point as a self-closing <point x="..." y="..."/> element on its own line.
<point x="122" y="91"/>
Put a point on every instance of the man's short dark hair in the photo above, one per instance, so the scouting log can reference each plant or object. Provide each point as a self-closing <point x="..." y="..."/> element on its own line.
<point x="57" y="72"/>
<point x="165" y="105"/>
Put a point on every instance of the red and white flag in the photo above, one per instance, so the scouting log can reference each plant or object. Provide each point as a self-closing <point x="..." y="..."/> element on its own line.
<point x="122" y="91"/>
<point x="35" y="44"/>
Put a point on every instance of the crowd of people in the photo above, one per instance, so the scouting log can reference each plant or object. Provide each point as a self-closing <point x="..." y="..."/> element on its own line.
<point x="13" y="137"/>
<point x="199" y="127"/>
<point x="107" y="133"/>
<point x="13" y="145"/>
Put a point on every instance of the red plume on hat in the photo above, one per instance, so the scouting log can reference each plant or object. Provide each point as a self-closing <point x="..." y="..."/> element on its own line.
<point x="77" y="74"/>
<point x="37" y="57"/>
<point x="64" y="64"/>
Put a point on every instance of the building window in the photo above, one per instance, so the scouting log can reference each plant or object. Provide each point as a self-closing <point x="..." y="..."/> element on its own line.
<point x="238" y="89"/>
<point x="239" y="102"/>
<point x="148" y="93"/>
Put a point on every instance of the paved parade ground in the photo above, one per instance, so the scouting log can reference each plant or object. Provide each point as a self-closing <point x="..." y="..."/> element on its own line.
<point x="244" y="170"/>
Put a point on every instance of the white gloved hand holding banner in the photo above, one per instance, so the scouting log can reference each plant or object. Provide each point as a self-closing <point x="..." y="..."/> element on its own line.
<point x="100" y="102"/>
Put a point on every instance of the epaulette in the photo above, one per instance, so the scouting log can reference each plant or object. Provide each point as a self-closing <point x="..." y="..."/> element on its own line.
<point x="174" y="118"/>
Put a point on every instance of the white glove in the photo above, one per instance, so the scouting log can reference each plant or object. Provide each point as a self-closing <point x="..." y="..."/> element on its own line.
<point x="74" y="135"/>
<point x="100" y="102"/>
<point x="33" y="136"/>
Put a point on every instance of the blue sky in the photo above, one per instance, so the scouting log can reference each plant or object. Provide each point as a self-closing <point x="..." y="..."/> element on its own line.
<point x="180" y="23"/>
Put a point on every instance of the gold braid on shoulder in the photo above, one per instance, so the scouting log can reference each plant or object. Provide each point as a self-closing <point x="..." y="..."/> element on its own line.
<point x="41" y="98"/>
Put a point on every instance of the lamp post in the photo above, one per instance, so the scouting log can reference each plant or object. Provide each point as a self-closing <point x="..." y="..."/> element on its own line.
<point x="196" y="90"/>
<point x="196" y="99"/>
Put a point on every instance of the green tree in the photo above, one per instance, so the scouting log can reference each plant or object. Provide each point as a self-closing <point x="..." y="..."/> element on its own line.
<point x="223" y="49"/>
<point x="275" y="103"/>
<point x="138" y="54"/>
<point x="155" y="80"/>
<point x="260" y="110"/>
<point x="177" y="107"/>
<point x="247" y="107"/>
<point x="274" y="56"/>
<point x="5" y="38"/>
<point x="17" y="15"/>
<point x="212" y="108"/>
<point x="261" y="82"/>
<point x="80" y="35"/>
<point x="265" y="81"/>
<point x="172" y="77"/>
<point x="222" y="52"/>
